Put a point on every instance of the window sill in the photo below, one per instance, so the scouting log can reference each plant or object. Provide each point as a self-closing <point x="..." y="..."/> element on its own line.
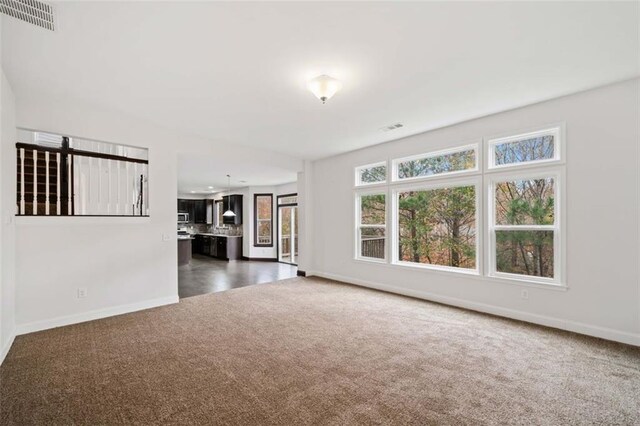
<point x="371" y="260"/>
<point x="473" y="275"/>
<point x="437" y="268"/>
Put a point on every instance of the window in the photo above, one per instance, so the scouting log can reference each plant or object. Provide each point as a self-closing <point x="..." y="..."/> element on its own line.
<point x="371" y="174"/>
<point x="528" y="148"/>
<point x="263" y="220"/>
<point x="524" y="227"/>
<point x="371" y="226"/>
<point x="524" y="215"/>
<point x="503" y="220"/>
<point x="437" y="226"/>
<point x="458" y="160"/>
<point x="219" y="212"/>
<point x="287" y="199"/>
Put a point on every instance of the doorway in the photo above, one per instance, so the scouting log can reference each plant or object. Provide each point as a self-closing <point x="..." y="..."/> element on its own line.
<point x="288" y="228"/>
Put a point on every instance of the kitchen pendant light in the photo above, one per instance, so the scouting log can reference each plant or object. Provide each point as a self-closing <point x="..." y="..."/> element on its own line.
<point x="324" y="87"/>
<point x="229" y="212"/>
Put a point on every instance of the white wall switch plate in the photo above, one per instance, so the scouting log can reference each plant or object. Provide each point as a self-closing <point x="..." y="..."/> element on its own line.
<point x="524" y="294"/>
<point x="166" y="237"/>
<point x="82" y="292"/>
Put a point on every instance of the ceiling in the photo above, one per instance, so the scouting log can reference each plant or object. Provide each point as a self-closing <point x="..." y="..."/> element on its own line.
<point x="236" y="72"/>
<point x="197" y="173"/>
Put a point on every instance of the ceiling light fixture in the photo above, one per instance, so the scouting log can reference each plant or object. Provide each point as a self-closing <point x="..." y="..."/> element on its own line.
<point x="324" y="87"/>
<point x="229" y="212"/>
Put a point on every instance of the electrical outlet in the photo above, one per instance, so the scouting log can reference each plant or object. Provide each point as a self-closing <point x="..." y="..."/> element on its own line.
<point x="524" y="294"/>
<point x="82" y="292"/>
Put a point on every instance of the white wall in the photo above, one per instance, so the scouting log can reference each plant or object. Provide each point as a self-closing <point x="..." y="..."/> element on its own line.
<point x="123" y="263"/>
<point x="602" y="218"/>
<point x="7" y="228"/>
<point x="306" y="239"/>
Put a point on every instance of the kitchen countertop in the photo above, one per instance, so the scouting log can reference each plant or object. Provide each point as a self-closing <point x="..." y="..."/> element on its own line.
<point x="185" y="237"/>
<point x="217" y="235"/>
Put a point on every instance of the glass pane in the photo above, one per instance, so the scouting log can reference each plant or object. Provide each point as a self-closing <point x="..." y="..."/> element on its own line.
<point x="438" y="227"/>
<point x="293" y="199"/>
<point x="372" y="174"/>
<point x="525" y="252"/>
<point x="372" y="209"/>
<point x="521" y="151"/>
<point x="525" y="202"/>
<point x="372" y="242"/>
<point x="288" y="234"/>
<point x="428" y="166"/>
<point x="263" y="204"/>
<point x="264" y="232"/>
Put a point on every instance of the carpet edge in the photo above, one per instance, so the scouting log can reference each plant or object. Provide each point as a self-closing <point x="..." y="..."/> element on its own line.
<point x="547" y="321"/>
<point x="47" y="324"/>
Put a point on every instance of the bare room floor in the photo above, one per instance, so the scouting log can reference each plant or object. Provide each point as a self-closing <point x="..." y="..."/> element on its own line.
<point x="208" y="275"/>
<point x="312" y="351"/>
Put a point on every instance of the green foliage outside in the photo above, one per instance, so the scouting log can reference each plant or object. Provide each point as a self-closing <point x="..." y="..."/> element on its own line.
<point x="453" y="162"/>
<point x="438" y="226"/>
<point x="525" y="202"/>
<point x="373" y="174"/>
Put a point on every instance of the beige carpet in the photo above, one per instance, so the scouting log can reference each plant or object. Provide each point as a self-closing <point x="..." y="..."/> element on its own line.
<point x="310" y="351"/>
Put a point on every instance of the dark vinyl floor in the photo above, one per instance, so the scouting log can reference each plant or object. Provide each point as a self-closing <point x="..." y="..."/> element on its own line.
<point x="207" y="275"/>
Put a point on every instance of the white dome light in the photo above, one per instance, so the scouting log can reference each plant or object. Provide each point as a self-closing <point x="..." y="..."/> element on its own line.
<point x="324" y="87"/>
<point x="229" y="212"/>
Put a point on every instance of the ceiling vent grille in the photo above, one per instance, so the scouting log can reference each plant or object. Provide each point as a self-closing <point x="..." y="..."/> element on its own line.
<point x="32" y="11"/>
<point x="391" y="127"/>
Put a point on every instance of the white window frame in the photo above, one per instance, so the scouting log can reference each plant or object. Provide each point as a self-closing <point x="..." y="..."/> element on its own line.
<point x="359" y="225"/>
<point x="472" y="146"/>
<point x="484" y="177"/>
<point x="556" y="130"/>
<point x="558" y="228"/>
<point x="475" y="181"/>
<point x="360" y="184"/>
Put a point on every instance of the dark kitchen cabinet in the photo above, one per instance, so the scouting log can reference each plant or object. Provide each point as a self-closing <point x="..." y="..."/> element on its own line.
<point x="197" y="244"/>
<point x="233" y="203"/>
<point x="207" y="242"/>
<point x="220" y="247"/>
<point x="187" y="206"/>
<point x="228" y="248"/>
<point x="183" y="206"/>
<point x="199" y="211"/>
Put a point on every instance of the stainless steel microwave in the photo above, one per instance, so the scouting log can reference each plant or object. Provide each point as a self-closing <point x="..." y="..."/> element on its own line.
<point x="183" y="217"/>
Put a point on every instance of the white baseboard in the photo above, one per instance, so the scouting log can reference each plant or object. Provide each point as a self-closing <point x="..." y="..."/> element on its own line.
<point x="93" y="315"/>
<point x="576" y="327"/>
<point x="7" y="346"/>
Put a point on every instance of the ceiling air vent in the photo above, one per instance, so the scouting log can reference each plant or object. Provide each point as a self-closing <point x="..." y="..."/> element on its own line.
<point x="391" y="127"/>
<point x="32" y="11"/>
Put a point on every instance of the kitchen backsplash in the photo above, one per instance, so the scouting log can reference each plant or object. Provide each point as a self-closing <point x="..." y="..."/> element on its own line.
<point x="223" y="230"/>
